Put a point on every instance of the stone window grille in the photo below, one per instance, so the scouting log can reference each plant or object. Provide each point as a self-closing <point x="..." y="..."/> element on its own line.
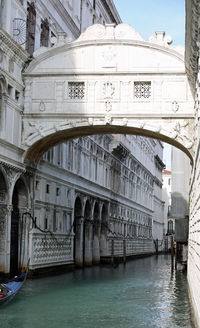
<point x="142" y="90"/>
<point x="76" y="90"/>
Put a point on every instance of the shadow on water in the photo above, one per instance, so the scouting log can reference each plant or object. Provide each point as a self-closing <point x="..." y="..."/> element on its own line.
<point x="142" y="294"/>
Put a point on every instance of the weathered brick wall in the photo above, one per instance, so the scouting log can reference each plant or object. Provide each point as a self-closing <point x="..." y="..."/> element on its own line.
<point x="194" y="238"/>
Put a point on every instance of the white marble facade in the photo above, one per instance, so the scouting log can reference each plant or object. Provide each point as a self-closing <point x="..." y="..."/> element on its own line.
<point x="100" y="195"/>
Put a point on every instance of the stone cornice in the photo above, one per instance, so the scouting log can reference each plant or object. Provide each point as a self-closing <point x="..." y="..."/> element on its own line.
<point x="63" y="13"/>
<point x="8" y="45"/>
<point x="12" y="167"/>
<point x="10" y="146"/>
<point x="10" y="77"/>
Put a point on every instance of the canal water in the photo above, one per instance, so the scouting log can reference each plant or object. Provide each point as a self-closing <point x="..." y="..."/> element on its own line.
<point x="142" y="294"/>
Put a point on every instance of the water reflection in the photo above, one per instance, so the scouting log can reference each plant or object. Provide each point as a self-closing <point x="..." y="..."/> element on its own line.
<point x="144" y="293"/>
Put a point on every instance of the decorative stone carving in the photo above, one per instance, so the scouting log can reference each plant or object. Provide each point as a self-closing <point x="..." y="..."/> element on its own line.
<point x="175" y="106"/>
<point x="125" y="121"/>
<point x="90" y="120"/>
<point x="109" y="90"/>
<point x="37" y="127"/>
<point x="161" y="39"/>
<point x="110" y="31"/>
<point x="73" y="123"/>
<point x="47" y="250"/>
<point x="180" y="132"/>
<point x="109" y="57"/>
<point x="12" y="174"/>
<point x="93" y="32"/>
<point x="108" y="108"/>
<point x="126" y="31"/>
<point x="42" y="106"/>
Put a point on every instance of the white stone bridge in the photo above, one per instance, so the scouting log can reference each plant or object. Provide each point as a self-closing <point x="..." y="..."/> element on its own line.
<point x="108" y="81"/>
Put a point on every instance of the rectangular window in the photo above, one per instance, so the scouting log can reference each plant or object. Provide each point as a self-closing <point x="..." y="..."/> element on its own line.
<point x="17" y="95"/>
<point x="30" y="28"/>
<point x="57" y="191"/>
<point x="44" y="38"/>
<point x="142" y="90"/>
<point x="76" y="90"/>
<point x="10" y="90"/>
<point x="47" y="188"/>
<point x="54" y="221"/>
<point x="37" y="184"/>
<point x="46" y="224"/>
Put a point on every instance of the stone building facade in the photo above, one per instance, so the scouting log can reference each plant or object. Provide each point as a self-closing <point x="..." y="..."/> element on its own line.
<point x="98" y="200"/>
<point x="92" y="198"/>
<point x="192" y="68"/>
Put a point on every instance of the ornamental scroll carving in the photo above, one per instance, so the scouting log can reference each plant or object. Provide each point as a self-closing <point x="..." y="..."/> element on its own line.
<point x="180" y="131"/>
<point x="109" y="90"/>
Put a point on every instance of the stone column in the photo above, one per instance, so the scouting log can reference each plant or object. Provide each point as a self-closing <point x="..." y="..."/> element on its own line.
<point x="5" y="15"/>
<point x="88" y="242"/>
<point x="103" y="241"/>
<point x="5" y="218"/>
<point x="79" y="242"/>
<point x="8" y="238"/>
<point x="96" y="242"/>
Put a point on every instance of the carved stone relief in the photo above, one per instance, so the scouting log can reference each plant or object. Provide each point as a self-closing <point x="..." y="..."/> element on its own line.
<point x="109" y="57"/>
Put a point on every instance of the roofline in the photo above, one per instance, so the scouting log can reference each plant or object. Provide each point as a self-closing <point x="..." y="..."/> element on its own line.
<point x="112" y="11"/>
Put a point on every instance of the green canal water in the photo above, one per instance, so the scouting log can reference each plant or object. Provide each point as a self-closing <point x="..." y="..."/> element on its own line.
<point x="144" y="293"/>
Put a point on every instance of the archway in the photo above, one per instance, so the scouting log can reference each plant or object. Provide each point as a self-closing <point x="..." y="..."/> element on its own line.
<point x="18" y="241"/>
<point x="104" y="233"/>
<point x="3" y="219"/>
<point x="87" y="235"/>
<point x="78" y="231"/>
<point x="96" y="235"/>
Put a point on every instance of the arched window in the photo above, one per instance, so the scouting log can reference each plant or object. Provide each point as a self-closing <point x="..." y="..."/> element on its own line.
<point x="170" y="227"/>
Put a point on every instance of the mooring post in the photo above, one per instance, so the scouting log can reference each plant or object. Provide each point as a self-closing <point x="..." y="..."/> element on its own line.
<point x="176" y="255"/>
<point x="172" y="251"/>
<point x="124" y="251"/>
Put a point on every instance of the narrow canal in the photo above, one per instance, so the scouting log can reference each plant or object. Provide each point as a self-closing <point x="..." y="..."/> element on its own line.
<point x="144" y="294"/>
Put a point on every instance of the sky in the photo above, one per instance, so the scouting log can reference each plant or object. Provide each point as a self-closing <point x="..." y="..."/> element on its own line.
<point x="148" y="16"/>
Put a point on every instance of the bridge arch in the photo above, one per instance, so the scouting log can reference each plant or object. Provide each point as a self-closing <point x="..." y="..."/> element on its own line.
<point x="108" y="81"/>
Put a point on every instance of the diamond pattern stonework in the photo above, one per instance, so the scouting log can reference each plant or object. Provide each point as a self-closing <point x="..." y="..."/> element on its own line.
<point x="142" y="90"/>
<point x="76" y="90"/>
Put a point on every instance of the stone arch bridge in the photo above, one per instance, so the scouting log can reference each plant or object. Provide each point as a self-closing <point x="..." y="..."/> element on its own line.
<point x="108" y="81"/>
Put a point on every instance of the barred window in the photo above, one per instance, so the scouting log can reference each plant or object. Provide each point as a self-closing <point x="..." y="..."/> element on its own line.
<point x="76" y="90"/>
<point x="142" y="90"/>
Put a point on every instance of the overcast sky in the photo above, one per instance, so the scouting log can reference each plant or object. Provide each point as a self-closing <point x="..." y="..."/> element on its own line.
<point x="148" y="16"/>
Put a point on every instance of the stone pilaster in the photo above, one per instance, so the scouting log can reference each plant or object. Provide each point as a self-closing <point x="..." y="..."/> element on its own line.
<point x="96" y="242"/>
<point x="88" y="242"/>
